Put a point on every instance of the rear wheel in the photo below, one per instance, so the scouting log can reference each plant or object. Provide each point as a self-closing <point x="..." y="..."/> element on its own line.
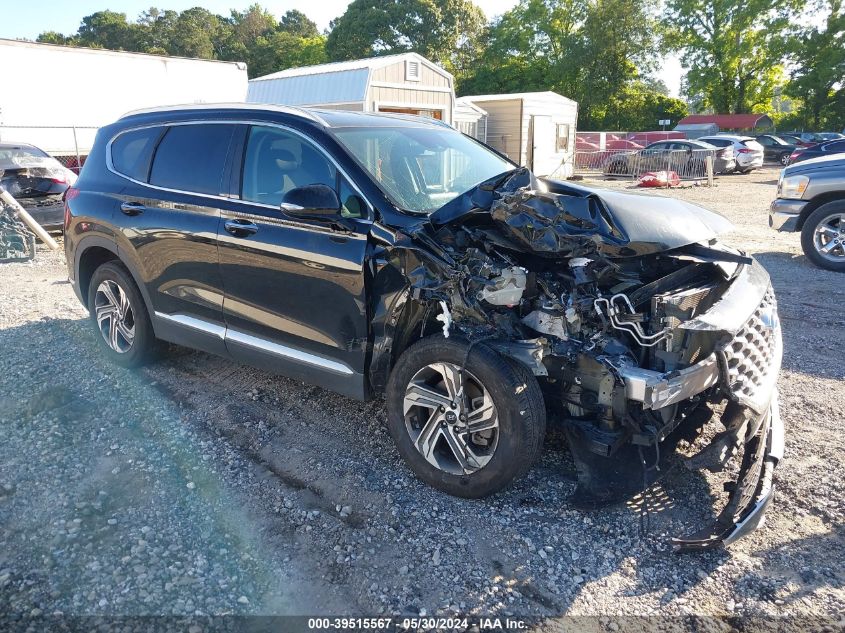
<point x="119" y="316"/>
<point x="466" y="430"/>
<point x="784" y="159"/>
<point x="823" y="236"/>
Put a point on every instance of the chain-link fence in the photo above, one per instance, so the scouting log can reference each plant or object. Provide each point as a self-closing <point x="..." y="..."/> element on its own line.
<point x="687" y="164"/>
<point x="69" y="144"/>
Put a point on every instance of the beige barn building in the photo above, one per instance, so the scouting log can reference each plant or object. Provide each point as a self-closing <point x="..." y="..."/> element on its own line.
<point x="407" y="84"/>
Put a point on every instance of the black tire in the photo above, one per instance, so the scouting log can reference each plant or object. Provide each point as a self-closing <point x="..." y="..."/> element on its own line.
<point x="144" y="346"/>
<point x="808" y="232"/>
<point x="515" y="394"/>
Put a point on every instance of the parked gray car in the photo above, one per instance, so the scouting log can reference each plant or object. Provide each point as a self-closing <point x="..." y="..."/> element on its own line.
<point x="811" y="199"/>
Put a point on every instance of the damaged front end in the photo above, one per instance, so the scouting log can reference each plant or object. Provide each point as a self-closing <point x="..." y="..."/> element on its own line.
<point x="633" y="318"/>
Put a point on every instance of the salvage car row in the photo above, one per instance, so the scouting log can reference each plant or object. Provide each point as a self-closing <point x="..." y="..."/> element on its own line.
<point x="731" y="153"/>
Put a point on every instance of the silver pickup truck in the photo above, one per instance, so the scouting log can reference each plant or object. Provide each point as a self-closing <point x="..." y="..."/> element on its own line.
<point x="811" y="199"/>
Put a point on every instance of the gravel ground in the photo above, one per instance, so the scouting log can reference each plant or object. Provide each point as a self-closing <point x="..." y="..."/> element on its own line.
<point x="199" y="486"/>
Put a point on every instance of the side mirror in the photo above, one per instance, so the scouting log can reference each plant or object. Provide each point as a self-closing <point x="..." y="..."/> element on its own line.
<point x="318" y="202"/>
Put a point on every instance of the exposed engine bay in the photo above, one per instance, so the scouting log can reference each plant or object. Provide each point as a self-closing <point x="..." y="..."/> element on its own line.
<point x="629" y="315"/>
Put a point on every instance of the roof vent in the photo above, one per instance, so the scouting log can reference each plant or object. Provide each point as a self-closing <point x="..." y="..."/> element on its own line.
<point x="412" y="70"/>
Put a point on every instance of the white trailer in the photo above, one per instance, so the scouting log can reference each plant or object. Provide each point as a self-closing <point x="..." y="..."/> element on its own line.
<point x="63" y="93"/>
<point x="535" y="129"/>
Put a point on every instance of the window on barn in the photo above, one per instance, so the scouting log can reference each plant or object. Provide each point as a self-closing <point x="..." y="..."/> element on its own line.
<point x="562" y="137"/>
<point x="412" y="70"/>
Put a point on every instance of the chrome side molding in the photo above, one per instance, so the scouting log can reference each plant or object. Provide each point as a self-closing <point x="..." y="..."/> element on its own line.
<point x="217" y="331"/>
<point x="289" y="353"/>
<point x="282" y="351"/>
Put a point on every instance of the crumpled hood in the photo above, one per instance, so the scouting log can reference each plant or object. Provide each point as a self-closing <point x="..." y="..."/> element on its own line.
<point x="571" y="220"/>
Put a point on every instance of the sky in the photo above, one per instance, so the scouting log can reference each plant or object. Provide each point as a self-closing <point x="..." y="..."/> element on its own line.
<point x="26" y="20"/>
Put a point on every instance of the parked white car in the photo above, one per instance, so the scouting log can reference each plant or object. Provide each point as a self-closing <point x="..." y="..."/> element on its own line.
<point x="747" y="151"/>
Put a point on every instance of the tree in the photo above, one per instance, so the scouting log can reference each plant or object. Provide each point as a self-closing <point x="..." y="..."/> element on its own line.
<point x="733" y="50"/>
<point x="280" y="50"/>
<point x="619" y="40"/>
<point x="297" y="23"/>
<point x="534" y="46"/>
<point x="251" y="24"/>
<point x="158" y="30"/>
<point x="107" y="29"/>
<point x="637" y="107"/>
<point x="200" y="34"/>
<point x="437" y="29"/>
<point x="589" y="50"/>
<point x="818" y="59"/>
<point x="53" y="37"/>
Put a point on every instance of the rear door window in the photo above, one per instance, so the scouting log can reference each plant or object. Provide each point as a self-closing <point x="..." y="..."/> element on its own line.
<point x="192" y="157"/>
<point x="131" y="152"/>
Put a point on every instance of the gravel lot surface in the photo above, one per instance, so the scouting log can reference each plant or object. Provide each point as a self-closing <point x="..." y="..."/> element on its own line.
<point x="199" y="486"/>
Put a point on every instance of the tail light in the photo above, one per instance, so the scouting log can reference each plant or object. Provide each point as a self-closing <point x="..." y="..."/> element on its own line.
<point x="794" y="155"/>
<point x="744" y="150"/>
<point x="61" y="176"/>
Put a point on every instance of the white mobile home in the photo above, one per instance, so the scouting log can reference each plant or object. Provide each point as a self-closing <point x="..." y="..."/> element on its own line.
<point x="85" y="88"/>
<point x="406" y="84"/>
<point x="535" y="129"/>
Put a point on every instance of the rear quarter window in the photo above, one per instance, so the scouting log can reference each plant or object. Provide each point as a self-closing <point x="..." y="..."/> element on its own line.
<point x="131" y="152"/>
<point x="192" y="157"/>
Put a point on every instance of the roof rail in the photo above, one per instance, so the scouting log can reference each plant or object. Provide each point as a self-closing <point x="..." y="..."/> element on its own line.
<point x="304" y="112"/>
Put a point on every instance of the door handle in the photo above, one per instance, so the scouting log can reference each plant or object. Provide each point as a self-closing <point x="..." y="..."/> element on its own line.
<point x="240" y="228"/>
<point x="132" y="208"/>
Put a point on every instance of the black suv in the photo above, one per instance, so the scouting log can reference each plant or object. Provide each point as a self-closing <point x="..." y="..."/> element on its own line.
<point x="392" y="255"/>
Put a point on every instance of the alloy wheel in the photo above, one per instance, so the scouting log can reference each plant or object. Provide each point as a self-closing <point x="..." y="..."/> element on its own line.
<point x="829" y="237"/>
<point x="451" y="418"/>
<point x="115" y="318"/>
<point x="784" y="159"/>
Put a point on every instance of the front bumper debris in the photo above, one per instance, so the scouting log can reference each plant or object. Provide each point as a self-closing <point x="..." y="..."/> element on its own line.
<point x="753" y="492"/>
<point x="661" y="389"/>
<point x="741" y="372"/>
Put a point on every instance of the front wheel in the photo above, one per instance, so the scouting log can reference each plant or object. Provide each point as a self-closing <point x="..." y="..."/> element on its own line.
<point x="823" y="236"/>
<point x="466" y="425"/>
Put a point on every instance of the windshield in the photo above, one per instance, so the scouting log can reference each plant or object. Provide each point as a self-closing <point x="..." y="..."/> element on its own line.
<point x="421" y="169"/>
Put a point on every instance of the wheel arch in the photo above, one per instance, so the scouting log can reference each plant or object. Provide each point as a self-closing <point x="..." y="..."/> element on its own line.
<point x="407" y="322"/>
<point x="815" y="203"/>
<point x="93" y="253"/>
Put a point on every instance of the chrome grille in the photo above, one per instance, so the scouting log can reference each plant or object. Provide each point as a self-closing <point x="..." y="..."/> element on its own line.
<point x="753" y="355"/>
